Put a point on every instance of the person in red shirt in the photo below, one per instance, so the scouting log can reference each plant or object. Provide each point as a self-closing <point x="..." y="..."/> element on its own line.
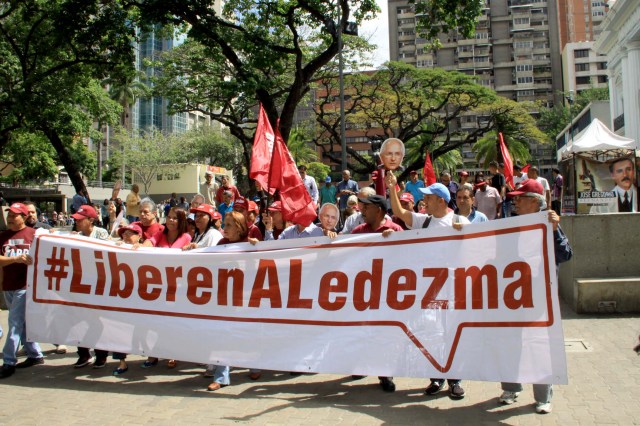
<point x="148" y="219"/>
<point x="15" y="243"/>
<point x="226" y="186"/>
<point x="241" y="205"/>
<point x="374" y="212"/>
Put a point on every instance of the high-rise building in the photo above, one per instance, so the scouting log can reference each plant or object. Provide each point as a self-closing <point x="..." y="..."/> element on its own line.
<point x="579" y="20"/>
<point x="515" y="51"/>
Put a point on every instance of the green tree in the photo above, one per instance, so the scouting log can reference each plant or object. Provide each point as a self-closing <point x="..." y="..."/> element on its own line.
<point x="319" y="171"/>
<point x="125" y="88"/>
<point x="434" y="17"/>
<point x="298" y="145"/>
<point x="52" y="51"/>
<point x="30" y="157"/>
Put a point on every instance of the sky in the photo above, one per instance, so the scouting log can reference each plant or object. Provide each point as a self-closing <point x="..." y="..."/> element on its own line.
<point x="378" y="30"/>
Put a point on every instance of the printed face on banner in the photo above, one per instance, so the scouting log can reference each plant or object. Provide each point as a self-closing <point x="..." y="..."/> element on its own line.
<point x="392" y="154"/>
<point x="606" y="187"/>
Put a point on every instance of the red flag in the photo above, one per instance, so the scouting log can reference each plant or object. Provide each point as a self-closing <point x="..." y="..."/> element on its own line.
<point x="297" y="205"/>
<point x="428" y="173"/>
<point x="262" y="150"/>
<point x="525" y="169"/>
<point x="506" y="159"/>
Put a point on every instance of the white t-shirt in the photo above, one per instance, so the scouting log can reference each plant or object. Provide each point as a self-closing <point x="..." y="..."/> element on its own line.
<point x="544" y="183"/>
<point x="517" y="180"/>
<point x="418" y="219"/>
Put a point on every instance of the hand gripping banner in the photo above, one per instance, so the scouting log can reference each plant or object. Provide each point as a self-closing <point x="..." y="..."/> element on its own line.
<point x="481" y="303"/>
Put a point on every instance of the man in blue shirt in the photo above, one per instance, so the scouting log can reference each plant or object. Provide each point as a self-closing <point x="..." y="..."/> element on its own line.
<point x="414" y="185"/>
<point x="464" y="200"/>
<point x="346" y="187"/>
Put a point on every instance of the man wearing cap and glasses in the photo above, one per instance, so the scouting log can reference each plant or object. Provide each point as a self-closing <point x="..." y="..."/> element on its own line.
<point x="437" y="197"/>
<point x="15" y="243"/>
<point x="530" y="198"/>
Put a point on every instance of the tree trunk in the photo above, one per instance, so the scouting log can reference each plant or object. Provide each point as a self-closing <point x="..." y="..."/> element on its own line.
<point x="67" y="162"/>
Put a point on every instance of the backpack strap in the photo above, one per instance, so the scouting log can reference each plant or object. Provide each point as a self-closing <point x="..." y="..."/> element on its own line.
<point x="426" y="222"/>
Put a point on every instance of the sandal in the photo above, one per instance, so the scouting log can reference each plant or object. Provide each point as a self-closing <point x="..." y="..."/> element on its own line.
<point x="172" y="363"/>
<point x="151" y="362"/>
<point x="215" y="386"/>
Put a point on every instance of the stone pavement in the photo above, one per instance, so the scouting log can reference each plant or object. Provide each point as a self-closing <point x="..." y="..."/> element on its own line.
<point x="604" y="388"/>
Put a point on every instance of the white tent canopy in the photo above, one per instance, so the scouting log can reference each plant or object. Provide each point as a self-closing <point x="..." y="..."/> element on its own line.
<point x="596" y="137"/>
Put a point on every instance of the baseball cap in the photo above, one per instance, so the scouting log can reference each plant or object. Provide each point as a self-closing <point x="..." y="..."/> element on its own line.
<point x="327" y="179"/>
<point x="18" y="208"/>
<point x="528" y="186"/>
<point x="479" y="185"/>
<point x="437" y="189"/>
<point x="85" y="210"/>
<point x="253" y="207"/>
<point x="413" y="172"/>
<point x="378" y="200"/>
<point x="133" y="227"/>
<point x="406" y="197"/>
<point x="276" y="206"/>
<point x="204" y="208"/>
<point x="241" y="203"/>
<point x="216" y="216"/>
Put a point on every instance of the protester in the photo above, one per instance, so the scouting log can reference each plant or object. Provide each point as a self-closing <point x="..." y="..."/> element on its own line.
<point x="241" y="205"/>
<point x="534" y="174"/>
<point x="225" y="185"/>
<point x="209" y="189"/>
<point x="15" y="243"/>
<point x="133" y="204"/>
<point x="529" y="199"/>
<point x="226" y="205"/>
<point x="356" y="219"/>
<point x="309" y="183"/>
<point x="463" y="177"/>
<point x="437" y="197"/>
<point x="452" y="186"/>
<point x="206" y="234"/>
<point x="345" y="188"/>
<point x="374" y="212"/>
<point x="407" y="203"/>
<point x="465" y="200"/>
<point x="414" y="185"/>
<point x="85" y="218"/>
<point x="556" y="191"/>
<point x="148" y="219"/>
<point x="327" y="192"/>
<point x="487" y="200"/>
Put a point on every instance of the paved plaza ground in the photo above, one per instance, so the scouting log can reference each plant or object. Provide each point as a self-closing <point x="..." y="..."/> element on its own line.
<point x="604" y="388"/>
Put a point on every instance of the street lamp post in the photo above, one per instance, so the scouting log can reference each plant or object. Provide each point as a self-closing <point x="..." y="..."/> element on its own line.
<point x="351" y="29"/>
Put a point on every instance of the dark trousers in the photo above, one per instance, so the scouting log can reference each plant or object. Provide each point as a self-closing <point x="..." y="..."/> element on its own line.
<point x="86" y="353"/>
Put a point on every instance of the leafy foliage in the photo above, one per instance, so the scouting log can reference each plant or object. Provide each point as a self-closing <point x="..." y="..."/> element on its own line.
<point x="435" y="16"/>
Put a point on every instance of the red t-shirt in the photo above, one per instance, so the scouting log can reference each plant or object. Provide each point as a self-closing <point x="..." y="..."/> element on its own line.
<point x="160" y="240"/>
<point x="366" y="229"/>
<point x="15" y="244"/>
<point x="149" y="231"/>
<point x="254" y="232"/>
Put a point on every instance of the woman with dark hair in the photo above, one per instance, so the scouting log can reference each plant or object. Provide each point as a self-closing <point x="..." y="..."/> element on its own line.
<point x="174" y="235"/>
<point x="235" y="231"/>
<point x="206" y="235"/>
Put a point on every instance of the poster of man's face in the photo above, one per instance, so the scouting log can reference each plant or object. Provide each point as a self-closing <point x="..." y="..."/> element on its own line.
<point x="623" y="173"/>
<point x="329" y="215"/>
<point x="392" y="153"/>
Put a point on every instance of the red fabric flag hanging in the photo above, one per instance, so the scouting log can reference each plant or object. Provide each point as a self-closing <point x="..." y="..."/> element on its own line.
<point x="429" y="175"/>
<point x="506" y="159"/>
<point x="525" y="169"/>
<point x="297" y="205"/>
<point x="262" y="150"/>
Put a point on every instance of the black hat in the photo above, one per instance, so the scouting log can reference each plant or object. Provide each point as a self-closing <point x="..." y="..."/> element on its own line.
<point x="378" y="200"/>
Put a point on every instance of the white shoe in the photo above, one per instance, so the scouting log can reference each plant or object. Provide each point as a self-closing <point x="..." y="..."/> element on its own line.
<point x="543" y="407"/>
<point x="508" y="397"/>
<point x="61" y="349"/>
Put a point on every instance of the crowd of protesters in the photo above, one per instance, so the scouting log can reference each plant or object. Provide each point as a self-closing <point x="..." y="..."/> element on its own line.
<point x="222" y="215"/>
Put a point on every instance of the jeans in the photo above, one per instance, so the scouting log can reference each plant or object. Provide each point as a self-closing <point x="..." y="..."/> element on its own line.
<point x="17" y="332"/>
<point x="220" y="373"/>
<point x="541" y="393"/>
<point x="132" y="219"/>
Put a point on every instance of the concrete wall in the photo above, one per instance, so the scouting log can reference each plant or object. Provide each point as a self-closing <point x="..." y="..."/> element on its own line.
<point x="605" y="248"/>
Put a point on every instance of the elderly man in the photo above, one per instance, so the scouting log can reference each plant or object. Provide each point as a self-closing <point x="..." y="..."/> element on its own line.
<point x="15" y="243"/>
<point x="392" y="153"/>
<point x="528" y="199"/>
<point x="464" y="201"/>
<point x="356" y="219"/>
<point x="329" y="216"/>
<point x="208" y="189"/>
<point x="488" y="200"/>
<point x="345" y="188"/>
<point x="148" y="219"/>
<point x="534" y="174"/>
<point x="438" y="215"/>
<point x="309" y="183"/>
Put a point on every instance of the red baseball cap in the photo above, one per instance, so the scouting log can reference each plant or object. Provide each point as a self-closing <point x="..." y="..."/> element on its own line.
<point x="216" y="216"/>
<point x="204" y="208"/>
<point x="240" y="203"/>
<point x="407" y="197"/>
<point x="18" y="208"/>
<point x="85" y="210"/>
<point x="253" y="207"/>
<point x="133" y="227"/>
<point x="276" y="206"/>
<point x="479" y="185"/>
<point x="528" y="186"/>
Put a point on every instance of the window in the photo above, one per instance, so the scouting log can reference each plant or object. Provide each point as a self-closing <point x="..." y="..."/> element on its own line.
<point x="159" y="176"/>
<point x="582" y="67"/>
<point x="526" y="67"/>
<point x="525" y="92"/>
<point x="524" y="80"/>
<point x="601" y="65"/>
<point x="581" y="53"/>
<point x="521" y="21"/>
<point x="583" y="80"/>
<point x="523" y="44"/>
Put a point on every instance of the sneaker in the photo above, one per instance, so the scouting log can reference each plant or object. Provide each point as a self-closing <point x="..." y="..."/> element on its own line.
<point x="456" y="391"/>
<point x="61" y="349"/>
<point x="508" y="397"/>
<point x="100" y="363"/>
<point x="149" y="364"/>
<point x="7" y="371"/>
<point x="434" y="387"/>
<point x="30" y="362"/>
<point x="387" y="384"/>
<point x="82" y="362"/>
<point x="543" y="407"/>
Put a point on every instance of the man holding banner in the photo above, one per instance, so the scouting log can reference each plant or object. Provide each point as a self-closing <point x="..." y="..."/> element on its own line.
<point x="528" y="199"/>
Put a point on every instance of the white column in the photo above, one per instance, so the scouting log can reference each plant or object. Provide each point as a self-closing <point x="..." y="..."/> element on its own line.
<point x="632" y="92"/>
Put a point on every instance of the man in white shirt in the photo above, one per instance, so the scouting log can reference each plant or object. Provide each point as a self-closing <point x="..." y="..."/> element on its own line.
<point x="533" y="174"/>
<point x="518" y="176"/>
<point x="487" y="200"/>
<point x="437" y="197"/>
<point x="309" y="183"/>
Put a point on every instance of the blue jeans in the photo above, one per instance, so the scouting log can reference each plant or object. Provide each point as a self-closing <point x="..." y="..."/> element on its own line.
<point x="17" y="332"/>
<point x="220" y="374"/>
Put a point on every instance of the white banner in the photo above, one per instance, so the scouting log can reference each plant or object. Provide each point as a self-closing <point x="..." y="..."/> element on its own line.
<point x="478" y="304"/>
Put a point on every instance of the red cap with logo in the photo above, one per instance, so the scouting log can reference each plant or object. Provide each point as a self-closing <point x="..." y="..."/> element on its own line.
<point x="276" y="206"/>
<point x="133" y="227"/>
<point x="407" y="197"/>
<point x="253" y="207"/>
<point x="18" y="208"/>
<point x="528" y="186"/>
<point x="84" y="211"/>
<point x="240" y="203"/>
<point x="204" y="208"/>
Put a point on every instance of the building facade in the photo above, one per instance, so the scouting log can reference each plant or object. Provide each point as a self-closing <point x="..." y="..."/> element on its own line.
<point x="579" y="20"/>
<point x="582" y="67"/>
<point x="619" y="40"/>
